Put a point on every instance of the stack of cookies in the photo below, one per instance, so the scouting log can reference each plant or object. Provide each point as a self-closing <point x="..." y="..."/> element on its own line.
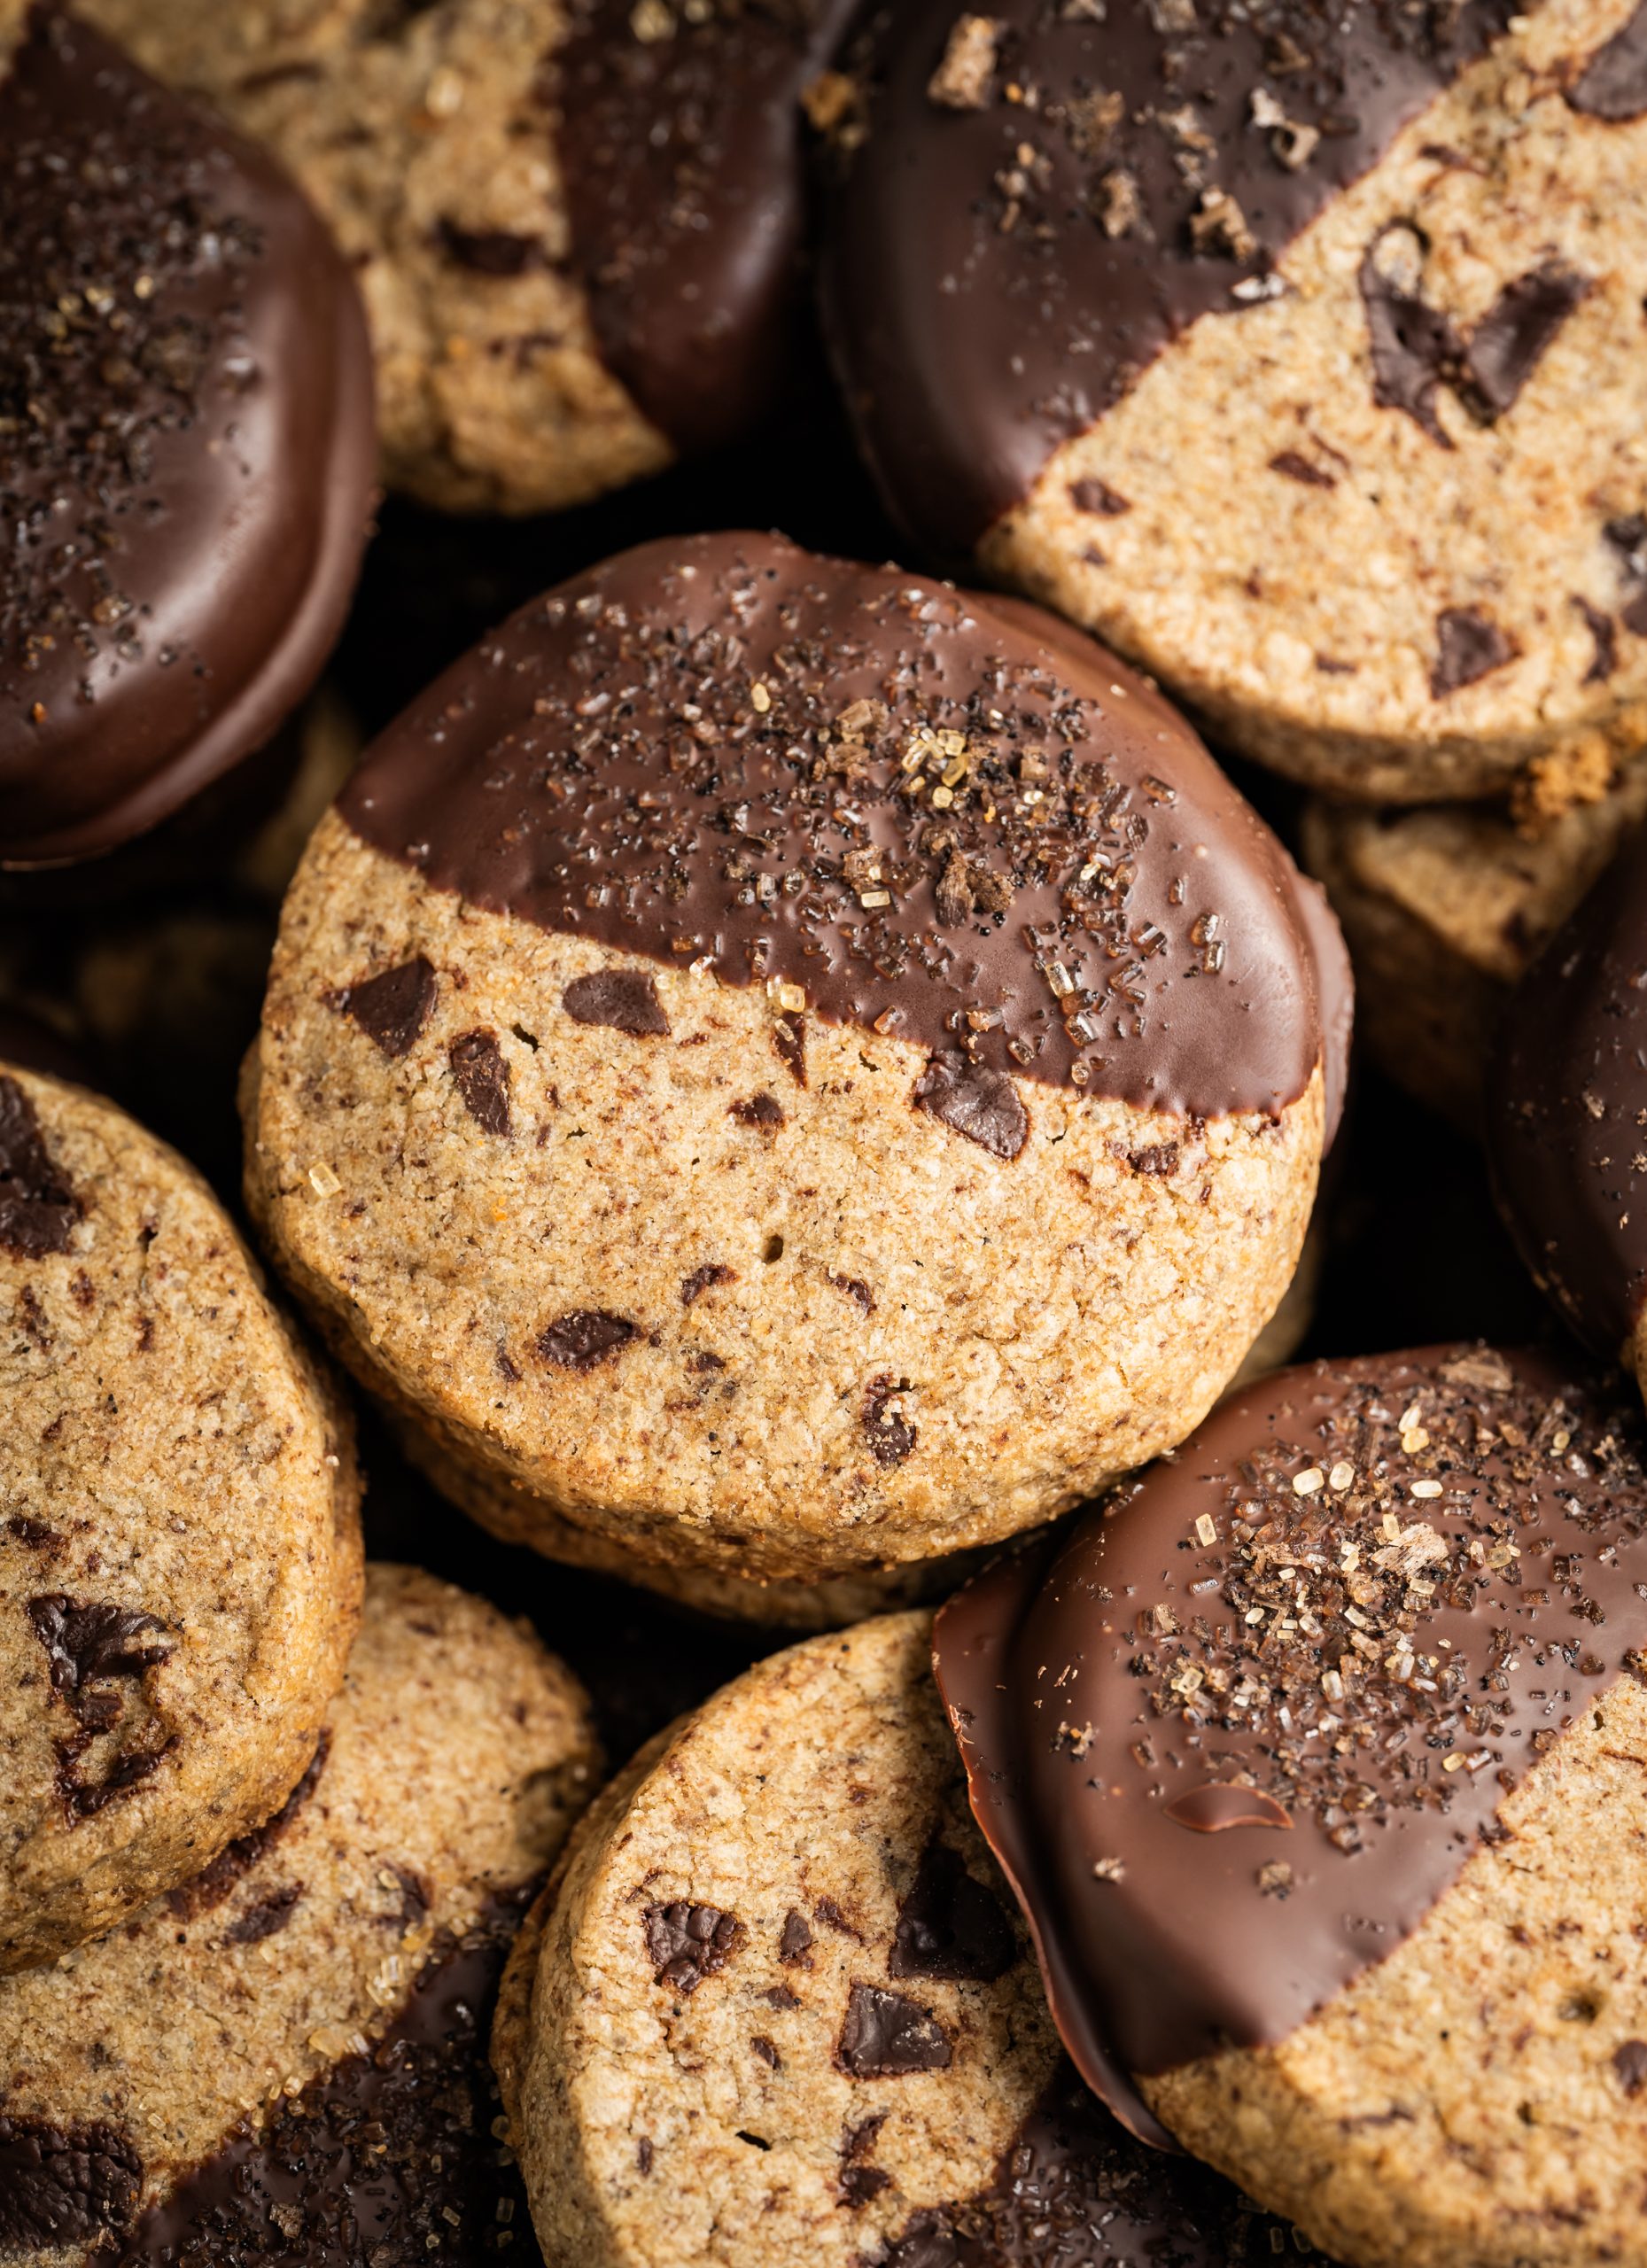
<point x="795" y="1111"/>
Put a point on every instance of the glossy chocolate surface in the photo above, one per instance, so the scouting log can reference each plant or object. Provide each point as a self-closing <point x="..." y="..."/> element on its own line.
<point x="1001" y="265"/>
<point x="679" y="135"/>
<point x="891" y="803"/>
<point x="1233" y="1743"/>
<point x="1567" y="1109"/>
<point x="186" y="446"/>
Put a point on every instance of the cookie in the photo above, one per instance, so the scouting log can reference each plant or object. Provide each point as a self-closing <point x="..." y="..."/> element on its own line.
<point x="1444" y="908"/>
<point x="180" y="1550"/>
<point x="1566" y="1102"/>
<point x="286" y="2058"/>
<point x="779" y="2010"/>
<point x="1315" y="1761"/>
<point x="576" y="225"/>
<point x="1323" y="384"/>
<point x="190" y="484"/>
<point x="797" y="1069"/>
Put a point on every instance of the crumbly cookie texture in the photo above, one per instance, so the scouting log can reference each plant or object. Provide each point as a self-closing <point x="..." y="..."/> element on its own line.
<point x="1346" y="586"/>
<point x="1480" y="2094"/>
<point x="180" y="1548"/>
<point x="738" y="1323"/>
<point x="451" y="1767"/>
<point x="419" y="135"/>
<point x="1443" y="909"/>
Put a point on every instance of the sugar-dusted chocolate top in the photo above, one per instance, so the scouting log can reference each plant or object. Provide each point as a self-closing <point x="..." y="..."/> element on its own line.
<point x="1045" y="195"/>
<point x="186" y="446"/>
<point x="1233" y="1743"/>
<point x="1567" y="1109"/>
<point x="679" y="130"/>
<point x="889" y="803"/>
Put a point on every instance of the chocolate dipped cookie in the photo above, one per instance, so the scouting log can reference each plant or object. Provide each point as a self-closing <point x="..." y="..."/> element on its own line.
<point x="186" y="452"/>
<point x="285" y="2059"/>
<point x="180" y="1549"/>
<point x="576" y="222"/>
<point x="779" y="2011"/>
<point x="1293" y="354"/>
<point x="1314" y="1758"/>
<point x="796" y="1068"/>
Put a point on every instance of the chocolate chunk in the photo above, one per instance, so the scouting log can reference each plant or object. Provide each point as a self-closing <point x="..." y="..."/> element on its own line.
<point x="1210" y="1809"/>
<point x="886" y="2036"/>
<point x="891" y="1438"/>
<point x="763" y="1111"/>
<point x="795" y="1947"/>
<point x="950" y="1926"/>
<point x="35" y="1534"/>
<point x="855" y="1289"/>
<point x="624" y="999"/>
<point x="1158" y="1158"/>
<point x="788" y="1037"/>
<point x="490" y="252"/>
<point x="1629" y="2061"/>
<point x="688" y="1943"/>
<point x="1613" y="85"/>
<point x="1300" y="469"/>
<point x="87" y="1643"/>
<point x="37" y="1206"/>
<point x="704" y="1279"/>
<point x="1093" y="496"/>
<point x="482" y="1073"/>
<point x="212" y="1884"/>
<point x="1469" y="645"/>
<point x="63" y="2185"/>
<point x="1414" y="346"/>
<point x="1605" y="637"/>
<point x="580" y="1339"/>
<point x="984" y="1105"/>
<point x="1512" y="338"/>
<point x="759" y="2045"/>
<point x="392" y="1008"/>
<point x="830" y="1914"/>
<point x="265" y="1917"/>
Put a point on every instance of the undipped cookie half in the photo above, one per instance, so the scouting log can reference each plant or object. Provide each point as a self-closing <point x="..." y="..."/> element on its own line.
<point x="285" y="2059"/>
<point x="795" y="1069"/>
<point x="180" y="1549"/>
<point x="1316" y="1758"/>
<point x="779" y="2013"/>
<point x="1296" y="353"/>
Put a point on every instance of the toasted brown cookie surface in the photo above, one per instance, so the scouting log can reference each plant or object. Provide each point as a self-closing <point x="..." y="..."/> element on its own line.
<point x="284" y="2059"/>
<point x="180" y="1552"/>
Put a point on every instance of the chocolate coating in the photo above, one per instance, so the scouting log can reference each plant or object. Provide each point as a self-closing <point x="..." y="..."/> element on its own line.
<point x="372" y="2159"/>
<point x="724" y="752"/>
<point x="186" y="446"/>
<point x="1567" y="1105"/>
<point x="957" y="229"/>
<point x="680" y="144"/>
<point x="1372" y="1665"/>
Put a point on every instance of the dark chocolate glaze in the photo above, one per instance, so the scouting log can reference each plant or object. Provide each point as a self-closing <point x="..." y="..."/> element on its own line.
<point x="1567" y="1114"/>
<point x="186" y="446"/>
<point x="1074" y="2190"/>
<point x="679" y="129"/>
<point x="372" y="2158"/>
<point x="978" y="310"/>
<point x="706" y="752"/>
<point x="38" y="1207"/>
<point x="1091" y="1696"/>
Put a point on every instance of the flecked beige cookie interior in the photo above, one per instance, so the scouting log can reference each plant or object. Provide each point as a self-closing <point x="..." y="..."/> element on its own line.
<point x="417" y="132"/>
<point x="1282" y="549"/>
<point x="454" y="1759"/>
<point x="1480" y="2095"/>
<point x="834" y="1335"/>
<point x="180" y="1549"/>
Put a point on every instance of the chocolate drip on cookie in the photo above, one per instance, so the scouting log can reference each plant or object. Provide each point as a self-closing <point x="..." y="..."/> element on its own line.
<point x="186" y="446"/>
<point x="1236" y="1739"/>
<point x="679" y="136"/>
<point x="892" y="804"/>
<point x="1567" y="1109"/>
<point x="1078" y="184"/>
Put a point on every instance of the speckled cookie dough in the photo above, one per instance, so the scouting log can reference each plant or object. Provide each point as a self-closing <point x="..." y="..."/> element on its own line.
<point x="779" y="2011"/>
<point x="901" y="1248"/>
<point x="1327" y="405"/>
<point x="180" y="1549"/>
<point x="286" y="2058"/>
<point x="1444" y="908"/>
<point x="575" y="223"/>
